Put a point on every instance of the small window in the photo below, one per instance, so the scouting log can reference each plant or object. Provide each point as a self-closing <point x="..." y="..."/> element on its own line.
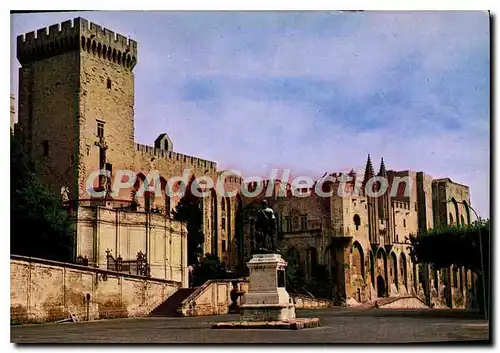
<point x="108" y="84"/>
<point x="404" y="223"/>
<point x="303" y="222"/>
<point x="100" y="129"/>
<point x="45" y="148"/>
<point x="223" y="246"/>
<point x="223" y="223"/>
<point x="357" y="221"/>
<point x="288" y="224"/>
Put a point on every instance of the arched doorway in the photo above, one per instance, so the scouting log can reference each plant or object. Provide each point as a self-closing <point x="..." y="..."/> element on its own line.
<point x="380" y="286"/>
<point x="381" y="263"/>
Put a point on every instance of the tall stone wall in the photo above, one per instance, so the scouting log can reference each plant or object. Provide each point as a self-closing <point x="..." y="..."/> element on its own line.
<point x="124" y="234"/>
<point x="47" y="291"/>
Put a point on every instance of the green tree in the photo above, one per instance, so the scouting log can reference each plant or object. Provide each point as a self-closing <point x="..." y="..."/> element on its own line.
<point x="465" y="245"/>
<point x="40" y="227"/>
<point x="188" y="210"/>
<point x="453" y="245"/>
<point x="210" y="267"/>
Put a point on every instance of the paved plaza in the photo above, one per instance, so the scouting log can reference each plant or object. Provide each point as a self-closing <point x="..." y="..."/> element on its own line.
<point x="337" y="326"/>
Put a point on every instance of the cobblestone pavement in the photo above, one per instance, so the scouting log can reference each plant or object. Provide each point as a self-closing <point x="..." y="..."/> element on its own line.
<point x="338" y="326"/>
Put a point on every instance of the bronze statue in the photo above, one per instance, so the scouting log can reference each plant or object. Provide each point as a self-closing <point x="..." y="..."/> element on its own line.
<point x="265" y="229"/>
<point x="235" y="295"/>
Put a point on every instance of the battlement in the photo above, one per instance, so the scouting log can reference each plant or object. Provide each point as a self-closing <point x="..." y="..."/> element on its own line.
<point x="177" y="157"/>
<point x="401" y="205"/>
<point x="231" y="178"/>
<point x="72" y="35"/>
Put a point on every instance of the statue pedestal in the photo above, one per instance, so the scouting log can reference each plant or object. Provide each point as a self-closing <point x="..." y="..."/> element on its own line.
<point x="267" y="298"/>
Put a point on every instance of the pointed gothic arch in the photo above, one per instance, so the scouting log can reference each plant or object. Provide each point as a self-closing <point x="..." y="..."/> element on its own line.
<point x="381" y="259"/>
<point x="394" y="269"/>
<point x="467" y="211"/>
<point x="404" y="270"/>
<point x="457" y="213"/>
<point x="357" y="260"/>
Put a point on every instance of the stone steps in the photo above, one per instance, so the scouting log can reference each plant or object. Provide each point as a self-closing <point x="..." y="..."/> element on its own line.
<point x="381" y="302"/>
<point x="169" y="307"/>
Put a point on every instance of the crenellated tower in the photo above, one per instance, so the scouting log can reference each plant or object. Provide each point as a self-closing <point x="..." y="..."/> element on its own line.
<point x="76" y="101"/>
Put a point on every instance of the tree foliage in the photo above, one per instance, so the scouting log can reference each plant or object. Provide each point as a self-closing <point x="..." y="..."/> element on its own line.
<point x="188" y="210"/>
<point x="210" y="267"/>
<point x="320" y="285"/>
<point x="40" y="227"/>
<point x="453" y="245"/>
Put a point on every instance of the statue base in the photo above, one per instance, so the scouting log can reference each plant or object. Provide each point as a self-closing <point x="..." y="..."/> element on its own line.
<point x="267" y="303"/>
<point x="267" y="312"/>
<point x="267" y="298"/>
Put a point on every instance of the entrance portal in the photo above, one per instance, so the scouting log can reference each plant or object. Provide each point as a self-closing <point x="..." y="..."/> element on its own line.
<point x="380" y="286"/>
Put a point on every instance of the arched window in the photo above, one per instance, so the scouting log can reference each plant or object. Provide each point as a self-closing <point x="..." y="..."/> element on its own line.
<point x="451" y="220"/>
<point x="357" y="221"/>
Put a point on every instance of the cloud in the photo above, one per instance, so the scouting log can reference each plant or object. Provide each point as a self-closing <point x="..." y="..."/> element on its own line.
<point x="313" y="91"/>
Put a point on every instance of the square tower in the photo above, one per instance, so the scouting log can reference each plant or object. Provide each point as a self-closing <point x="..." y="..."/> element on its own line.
<point x="76" y="102"/>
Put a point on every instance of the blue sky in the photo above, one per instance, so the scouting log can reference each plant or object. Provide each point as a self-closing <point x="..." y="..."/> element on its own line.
<point x="311" y="91"/>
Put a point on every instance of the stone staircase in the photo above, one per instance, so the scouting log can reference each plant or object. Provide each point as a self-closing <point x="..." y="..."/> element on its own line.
<point x="170" y="306"/>
<point x="383" y="302"/>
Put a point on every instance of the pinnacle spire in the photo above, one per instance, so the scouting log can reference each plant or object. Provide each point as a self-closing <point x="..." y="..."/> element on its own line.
<point x="382" y="171"/>
<point x="368" y="170"/>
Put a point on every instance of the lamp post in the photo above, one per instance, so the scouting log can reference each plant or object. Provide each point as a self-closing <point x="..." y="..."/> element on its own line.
<point x="482" y="261"/>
